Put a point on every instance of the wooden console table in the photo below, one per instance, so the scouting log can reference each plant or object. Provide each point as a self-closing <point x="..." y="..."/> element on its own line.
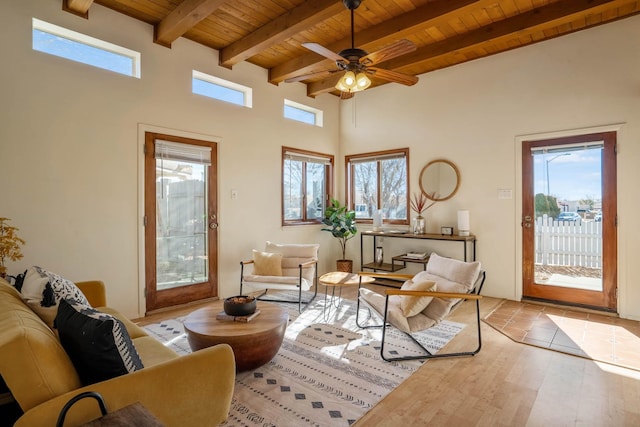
<point x="399" y="261"/>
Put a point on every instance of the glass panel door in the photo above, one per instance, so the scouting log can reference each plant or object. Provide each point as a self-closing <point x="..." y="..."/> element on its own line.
<point x="569" y="220"/>
<point x="181" y="223"/>
<point x="180" y="220"/>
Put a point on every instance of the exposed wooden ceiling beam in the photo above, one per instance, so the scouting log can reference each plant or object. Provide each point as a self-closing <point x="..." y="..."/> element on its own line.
<point x="285" y="26"/>
<point x="526" y="23"/>
<point x="184" y="17"/>
<point x="430" y="15"/>
<point x="77" y="7"/>
<point x="323" y="86"/>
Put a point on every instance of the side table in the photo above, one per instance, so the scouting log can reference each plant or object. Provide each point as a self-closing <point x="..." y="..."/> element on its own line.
<point x="339" y="279"/>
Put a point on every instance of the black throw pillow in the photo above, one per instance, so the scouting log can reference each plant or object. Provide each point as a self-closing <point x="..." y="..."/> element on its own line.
<point x="98" y="344"/>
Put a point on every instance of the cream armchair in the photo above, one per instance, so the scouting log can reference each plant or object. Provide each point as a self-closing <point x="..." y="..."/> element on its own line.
<point x="281" y="267"/>
<point x="423" y="301"/>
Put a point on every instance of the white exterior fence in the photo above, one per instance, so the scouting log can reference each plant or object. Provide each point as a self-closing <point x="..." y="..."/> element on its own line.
<point x="568" y="243"/>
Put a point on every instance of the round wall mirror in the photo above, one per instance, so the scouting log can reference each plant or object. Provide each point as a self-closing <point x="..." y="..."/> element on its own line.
<point x="439" y="180"/>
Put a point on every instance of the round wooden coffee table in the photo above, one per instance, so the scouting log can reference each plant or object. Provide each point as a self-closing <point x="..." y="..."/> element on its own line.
<point x="254" y="343"/>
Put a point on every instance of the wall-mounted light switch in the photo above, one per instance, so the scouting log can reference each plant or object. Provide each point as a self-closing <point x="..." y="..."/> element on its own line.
<point x="505" y="193"/>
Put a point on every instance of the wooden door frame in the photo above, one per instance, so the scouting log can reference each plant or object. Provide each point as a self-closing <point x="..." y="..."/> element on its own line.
<point x="143" y="129"/>
<point x="607" y="299"/>
<point x="518" y="141"/>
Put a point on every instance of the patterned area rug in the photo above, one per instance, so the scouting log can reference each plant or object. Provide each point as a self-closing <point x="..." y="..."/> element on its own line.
<point x="327" y="372"/>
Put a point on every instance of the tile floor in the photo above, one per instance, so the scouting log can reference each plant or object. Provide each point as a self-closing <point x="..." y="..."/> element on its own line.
<point x="595" y="336"/>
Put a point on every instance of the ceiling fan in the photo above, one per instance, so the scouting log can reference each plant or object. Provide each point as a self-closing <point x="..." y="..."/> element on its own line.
<point x="358" y="65"/>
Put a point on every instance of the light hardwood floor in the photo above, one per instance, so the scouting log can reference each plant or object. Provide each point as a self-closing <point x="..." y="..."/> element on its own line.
<point x="506" y="384"/>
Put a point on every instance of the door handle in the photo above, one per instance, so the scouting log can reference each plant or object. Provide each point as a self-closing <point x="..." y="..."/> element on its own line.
<point x="213" y="224"/>
<point x="526" y="221"/>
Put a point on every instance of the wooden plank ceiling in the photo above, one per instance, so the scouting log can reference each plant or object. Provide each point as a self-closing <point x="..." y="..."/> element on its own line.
<point x="269" y="33"/>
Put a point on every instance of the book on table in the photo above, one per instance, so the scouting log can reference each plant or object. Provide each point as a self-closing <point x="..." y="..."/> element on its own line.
<point x="416" y="255"/>
<point x="243" y="319"/>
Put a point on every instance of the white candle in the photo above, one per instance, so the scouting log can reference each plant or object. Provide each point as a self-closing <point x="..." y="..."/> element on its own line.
<point x="463" y="223"/>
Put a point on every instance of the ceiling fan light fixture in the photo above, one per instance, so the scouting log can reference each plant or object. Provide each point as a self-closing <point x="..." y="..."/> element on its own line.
<point x="362" y="81"/>
<point x="350" y="82"/>
<point x="347" y="82"/>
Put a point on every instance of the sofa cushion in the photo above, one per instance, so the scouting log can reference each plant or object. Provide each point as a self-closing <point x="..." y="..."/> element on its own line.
<point x="43" y="290"/>
<point x="19" y="280"/>
<point x="153" y="352"/>
<point x="97" y="343"/>
<point x="413" y="305"/>
<point x="32" y="361"/>
<point x="267" y="263"/>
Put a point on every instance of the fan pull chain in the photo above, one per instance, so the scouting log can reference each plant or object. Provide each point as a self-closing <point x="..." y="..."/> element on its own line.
<point x="353" y="112"/>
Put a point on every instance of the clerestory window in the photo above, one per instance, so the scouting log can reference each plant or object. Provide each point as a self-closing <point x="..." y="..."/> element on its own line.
<point x="59" y="41"/>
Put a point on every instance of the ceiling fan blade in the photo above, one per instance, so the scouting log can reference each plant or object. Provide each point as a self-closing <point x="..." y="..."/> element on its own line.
<point x="321" y="50"/>
<point x="324" y="73"/>
<point x="347" y="95"/>
<point x="393" y="76"/>
<point x="389" y="52"/>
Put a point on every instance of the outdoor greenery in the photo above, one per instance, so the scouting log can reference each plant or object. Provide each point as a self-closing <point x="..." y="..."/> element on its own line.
<point x="546" y="205"/>
<point x="342" y="223"/>
<point x="9" y="245"/>
<point x="588" y="201"/>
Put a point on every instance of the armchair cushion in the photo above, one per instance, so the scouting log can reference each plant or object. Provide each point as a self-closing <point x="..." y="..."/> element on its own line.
<point x="449" y="275"/>
<point x="293" y="255"/>
<point x="395" y="316"/>
<point x="285" y="280"/>
<point x="267" y="263"/>
<point x="464" y="273"/>
<point x="413" y="305"/>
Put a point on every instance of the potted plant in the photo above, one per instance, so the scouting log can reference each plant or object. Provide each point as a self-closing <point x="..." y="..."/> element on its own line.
<point x="9" y="245"/>
<point x="342" y="223"/>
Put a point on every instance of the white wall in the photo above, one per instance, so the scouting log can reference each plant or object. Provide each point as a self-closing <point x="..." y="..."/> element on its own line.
<point x="70" y="160"/>
<point x="69" y="149"/>
<point x="475" y="115"/>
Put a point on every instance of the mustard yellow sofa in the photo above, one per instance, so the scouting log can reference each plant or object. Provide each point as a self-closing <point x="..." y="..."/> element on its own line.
<point x="192" y="390"/>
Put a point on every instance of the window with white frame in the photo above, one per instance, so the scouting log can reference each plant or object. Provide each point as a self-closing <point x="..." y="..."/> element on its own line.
<point x="68" y="44"/>
<point x="306" y="185"/>
<point x="220" y="89"/>
<point x="302" y="113"/>
<point x="378" y="181"/>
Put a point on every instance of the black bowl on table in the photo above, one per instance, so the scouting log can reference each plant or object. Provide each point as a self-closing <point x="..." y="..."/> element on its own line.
<point x="240" y="305"/>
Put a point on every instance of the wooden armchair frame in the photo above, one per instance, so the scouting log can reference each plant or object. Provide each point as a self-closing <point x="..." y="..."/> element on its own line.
<point x="474" y="294"/>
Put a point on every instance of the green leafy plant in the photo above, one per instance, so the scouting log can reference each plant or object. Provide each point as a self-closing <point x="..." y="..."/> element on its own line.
<point x="9" y="245"/>
<point x="546" y="205"/>
<point x="342" y="223"/>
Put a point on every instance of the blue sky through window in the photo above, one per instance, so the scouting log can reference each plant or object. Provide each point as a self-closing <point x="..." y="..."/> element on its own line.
<point x="80" y="52"/>
<point x="215" y="91"/>
<point x="572" y="175"/>
<point x="300" y="115"/>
